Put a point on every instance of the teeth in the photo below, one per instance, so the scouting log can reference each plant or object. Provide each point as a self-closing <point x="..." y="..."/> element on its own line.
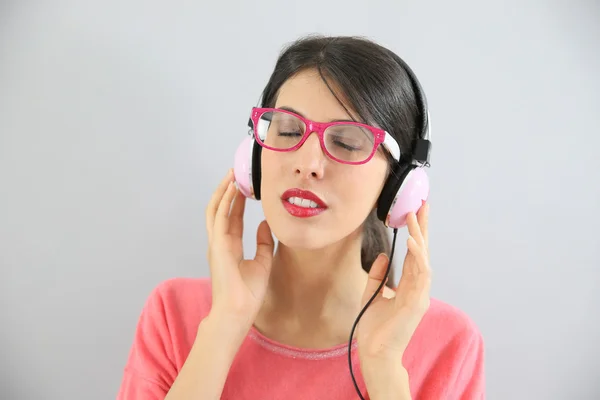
<point x="302" y="202"/>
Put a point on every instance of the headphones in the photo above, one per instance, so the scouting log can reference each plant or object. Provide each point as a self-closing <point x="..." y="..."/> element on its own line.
<point x="405" y="190"/>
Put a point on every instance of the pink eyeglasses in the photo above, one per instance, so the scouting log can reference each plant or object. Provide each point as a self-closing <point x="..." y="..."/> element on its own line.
<point x="346" y="142"/>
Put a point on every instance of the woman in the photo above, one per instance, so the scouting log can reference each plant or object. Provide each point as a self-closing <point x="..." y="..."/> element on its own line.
<point x="277" y="326"/>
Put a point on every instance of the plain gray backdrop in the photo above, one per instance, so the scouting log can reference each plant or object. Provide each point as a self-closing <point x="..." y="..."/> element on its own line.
<point x="119" y="118"/>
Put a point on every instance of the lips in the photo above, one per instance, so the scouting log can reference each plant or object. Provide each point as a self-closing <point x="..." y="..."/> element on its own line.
<point x="302" y="203"/>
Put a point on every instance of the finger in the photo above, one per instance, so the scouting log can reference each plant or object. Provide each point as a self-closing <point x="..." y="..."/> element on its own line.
<point x="236" y="218"/>
<point x="215" y="199"/>
<point x="264" y="246"/>
<point x="410" y="268"/>
<point x="377" y="274"/>
<point x="420" y="272"/>
<point x="221" y="226"/>
<point x="414" y="229"/>
<point x="423" y="220"/>
<point x="415" y="282"/>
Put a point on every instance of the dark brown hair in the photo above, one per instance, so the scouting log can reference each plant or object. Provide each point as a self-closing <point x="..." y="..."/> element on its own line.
<point x="375" y="86"/>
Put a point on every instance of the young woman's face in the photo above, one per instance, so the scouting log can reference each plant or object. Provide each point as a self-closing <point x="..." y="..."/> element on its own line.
<point x="348" y="192"/>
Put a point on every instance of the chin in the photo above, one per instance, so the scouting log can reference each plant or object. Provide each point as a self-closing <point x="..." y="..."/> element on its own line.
<point x="295" y="240"/>
<point x="299" y="233"/>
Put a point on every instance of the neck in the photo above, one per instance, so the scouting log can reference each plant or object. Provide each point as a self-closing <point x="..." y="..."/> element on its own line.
<point x="315" y="289"/>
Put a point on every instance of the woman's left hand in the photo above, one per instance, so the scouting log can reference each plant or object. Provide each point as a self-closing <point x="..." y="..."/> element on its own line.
<point x="388" y="324"/>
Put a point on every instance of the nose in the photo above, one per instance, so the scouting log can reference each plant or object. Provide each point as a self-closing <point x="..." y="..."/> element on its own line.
<point x="310" y="159"/>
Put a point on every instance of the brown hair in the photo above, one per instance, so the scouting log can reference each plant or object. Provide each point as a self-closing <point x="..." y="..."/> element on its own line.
<point x="375" y="241"/>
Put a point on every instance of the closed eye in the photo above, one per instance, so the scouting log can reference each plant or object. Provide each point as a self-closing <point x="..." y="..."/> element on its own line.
<point x="289" y="134"/>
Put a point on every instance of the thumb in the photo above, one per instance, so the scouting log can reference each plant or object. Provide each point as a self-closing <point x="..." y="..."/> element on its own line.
<point x="264" y="245"/>
<point x="376" y="276"/>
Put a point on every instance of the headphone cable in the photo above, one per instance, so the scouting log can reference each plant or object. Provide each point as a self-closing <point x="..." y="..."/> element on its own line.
<point x="363" y="311"/>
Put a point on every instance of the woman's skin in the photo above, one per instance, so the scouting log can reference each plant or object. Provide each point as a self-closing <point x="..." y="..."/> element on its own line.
<point x="310" y="291"/>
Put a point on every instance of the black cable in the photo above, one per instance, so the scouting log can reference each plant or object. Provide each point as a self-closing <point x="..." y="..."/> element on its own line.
<point x="363" y="311"/>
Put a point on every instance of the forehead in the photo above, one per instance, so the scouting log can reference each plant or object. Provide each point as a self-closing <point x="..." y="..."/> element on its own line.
<point x="307" y="93"/>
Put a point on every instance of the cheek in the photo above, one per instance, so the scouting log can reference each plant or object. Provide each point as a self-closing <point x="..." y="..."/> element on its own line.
<point x="360" y="188"/>
<point x="368" y="180"/>
<point x="271" y="170"/>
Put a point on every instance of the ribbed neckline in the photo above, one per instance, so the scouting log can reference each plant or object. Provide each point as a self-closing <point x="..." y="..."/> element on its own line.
<point x="298" y="352"/>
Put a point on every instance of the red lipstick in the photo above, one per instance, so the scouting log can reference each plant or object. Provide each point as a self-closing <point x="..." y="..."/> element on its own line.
<point x="305" y="203"/>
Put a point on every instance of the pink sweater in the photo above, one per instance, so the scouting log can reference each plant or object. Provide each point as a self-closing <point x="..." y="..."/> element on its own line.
<point x="444" y="359"/>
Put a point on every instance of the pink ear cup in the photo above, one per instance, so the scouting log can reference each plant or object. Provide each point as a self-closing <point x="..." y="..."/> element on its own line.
<point x="242" y="167"/>
<point x="411" y="196"/>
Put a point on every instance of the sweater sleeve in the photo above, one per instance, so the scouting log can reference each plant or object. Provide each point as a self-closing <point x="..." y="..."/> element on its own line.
<point x="453" y="371"/>
<point x="150" y="370"/>
<point x="469" y="383"/>
<point x="136" y="387"/>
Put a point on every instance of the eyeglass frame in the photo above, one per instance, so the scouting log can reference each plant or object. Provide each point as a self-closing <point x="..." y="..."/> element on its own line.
<point x="381" y="137"/>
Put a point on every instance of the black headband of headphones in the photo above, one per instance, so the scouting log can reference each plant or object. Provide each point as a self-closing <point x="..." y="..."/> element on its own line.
<point x="422" y="145"/>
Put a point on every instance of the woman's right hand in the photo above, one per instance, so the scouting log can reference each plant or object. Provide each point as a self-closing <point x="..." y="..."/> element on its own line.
<point x="238" y="285"/>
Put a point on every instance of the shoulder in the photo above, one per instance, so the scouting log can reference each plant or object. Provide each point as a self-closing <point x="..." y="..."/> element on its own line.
<point x="446" y="353"/>
<point x="165" y="332"/>
<point x="172" y="312"/>
<point x="184" y="299"/>
<point x="453" y="320"/>
<point x="167" y="326"/>
<point x="183" y="289"/>
<point x="449" y="327"/>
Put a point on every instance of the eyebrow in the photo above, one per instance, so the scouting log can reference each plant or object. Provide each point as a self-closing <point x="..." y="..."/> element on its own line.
<point x="290" y="109"/>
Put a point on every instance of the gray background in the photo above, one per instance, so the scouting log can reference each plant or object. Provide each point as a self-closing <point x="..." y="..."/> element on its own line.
<point x="117" y="120"/>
